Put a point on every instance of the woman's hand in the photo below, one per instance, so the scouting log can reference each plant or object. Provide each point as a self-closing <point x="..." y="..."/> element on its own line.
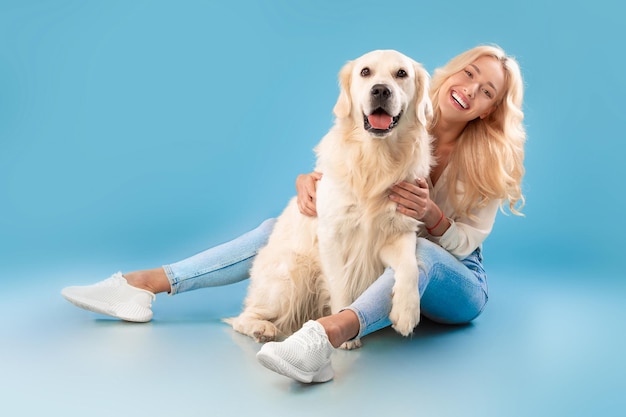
<point x="306" y="187"/>
<point x="412" y="198"/>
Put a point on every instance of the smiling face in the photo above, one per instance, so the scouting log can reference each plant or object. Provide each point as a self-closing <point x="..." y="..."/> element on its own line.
<point x="472" y="92"/>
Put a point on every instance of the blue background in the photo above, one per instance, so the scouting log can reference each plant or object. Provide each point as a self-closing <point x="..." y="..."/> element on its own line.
<point x="136" y="133"/>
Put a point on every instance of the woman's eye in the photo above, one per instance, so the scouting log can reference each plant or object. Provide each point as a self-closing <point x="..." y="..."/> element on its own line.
<point x="401" y="73"/>
<point x="468" y="73"/>
<point x="365" y="72"/>
<point x="487" y="93"/>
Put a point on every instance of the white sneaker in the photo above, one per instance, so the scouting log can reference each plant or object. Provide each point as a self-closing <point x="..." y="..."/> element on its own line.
<point x="113" y="297"/>
<point x="303" y="356"/>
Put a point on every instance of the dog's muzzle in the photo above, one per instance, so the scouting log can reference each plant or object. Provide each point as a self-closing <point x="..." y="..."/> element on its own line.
<point x="379" y="121"/>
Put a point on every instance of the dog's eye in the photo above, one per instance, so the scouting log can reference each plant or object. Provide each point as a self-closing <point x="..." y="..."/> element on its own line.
<point x="365" y="72"/>
<point x="401" y="74"/>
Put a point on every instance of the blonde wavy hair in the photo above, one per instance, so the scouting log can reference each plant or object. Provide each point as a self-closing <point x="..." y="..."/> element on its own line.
<point x="489" y="154"/>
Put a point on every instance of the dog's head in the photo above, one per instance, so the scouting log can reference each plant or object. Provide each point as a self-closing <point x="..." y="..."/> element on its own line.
<point x="383" y="89"/>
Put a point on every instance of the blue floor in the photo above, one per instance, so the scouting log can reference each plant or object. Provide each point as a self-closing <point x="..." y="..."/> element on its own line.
<point x="547" y="345"/>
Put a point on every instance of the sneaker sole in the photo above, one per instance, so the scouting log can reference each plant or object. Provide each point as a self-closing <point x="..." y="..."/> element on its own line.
<point x="280" y="366"/>
<point x="108" y="310"/>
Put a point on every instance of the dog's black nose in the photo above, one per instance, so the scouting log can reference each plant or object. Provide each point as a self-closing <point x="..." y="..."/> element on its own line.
<point x="380" y="92"/>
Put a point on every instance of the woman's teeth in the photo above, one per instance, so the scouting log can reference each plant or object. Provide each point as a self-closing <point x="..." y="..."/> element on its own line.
<point x="459" y="100"/>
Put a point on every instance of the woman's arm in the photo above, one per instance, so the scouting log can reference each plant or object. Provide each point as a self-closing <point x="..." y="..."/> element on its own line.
<point x="458" y="235"/>
<point x="465" y="234"/>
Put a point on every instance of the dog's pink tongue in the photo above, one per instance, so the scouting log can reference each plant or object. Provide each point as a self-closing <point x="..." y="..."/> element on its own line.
<point x="380" y="121"/>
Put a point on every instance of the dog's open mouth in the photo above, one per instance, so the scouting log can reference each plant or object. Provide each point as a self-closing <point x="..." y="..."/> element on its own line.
<point x="380" y="122"/>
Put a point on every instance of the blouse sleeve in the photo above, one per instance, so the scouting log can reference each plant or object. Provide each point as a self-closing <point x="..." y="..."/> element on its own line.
<point x="466" y="234"/>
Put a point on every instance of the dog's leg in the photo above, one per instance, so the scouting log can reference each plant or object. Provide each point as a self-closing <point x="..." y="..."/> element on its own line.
<point x="340" y="296"/>
<point x="331" y="261"/>
<point x="405" y="309"/>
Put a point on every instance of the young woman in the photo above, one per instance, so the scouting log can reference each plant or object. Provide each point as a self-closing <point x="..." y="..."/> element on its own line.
<point x="479" y="150"/>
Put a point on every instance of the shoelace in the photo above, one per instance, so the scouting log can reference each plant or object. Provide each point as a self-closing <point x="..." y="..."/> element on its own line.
<point x="114" y="281"/>
<point x="310" y="338"/>
<point x="117" y="280"/>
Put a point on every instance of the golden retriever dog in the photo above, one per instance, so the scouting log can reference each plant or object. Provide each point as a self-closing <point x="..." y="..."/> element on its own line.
<point x="310" y="266"/>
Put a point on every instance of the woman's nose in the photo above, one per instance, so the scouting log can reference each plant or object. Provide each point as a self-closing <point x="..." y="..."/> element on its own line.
<point x="470" y="90"/>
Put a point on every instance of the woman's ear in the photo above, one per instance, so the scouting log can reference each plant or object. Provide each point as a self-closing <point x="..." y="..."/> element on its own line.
<point x="423" y="105"/>
<point x="343" y="107"/>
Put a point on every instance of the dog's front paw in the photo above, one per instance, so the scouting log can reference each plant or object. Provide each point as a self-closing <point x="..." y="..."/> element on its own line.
<point x="405" y="313"/>
<point x="353" y="344"/>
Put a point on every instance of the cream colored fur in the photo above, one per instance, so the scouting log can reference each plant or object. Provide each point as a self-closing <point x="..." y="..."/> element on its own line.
<point x="314" y="266"/>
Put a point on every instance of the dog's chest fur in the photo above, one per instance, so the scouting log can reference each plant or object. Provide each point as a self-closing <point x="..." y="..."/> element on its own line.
<point x="359" y="170"/>
<point x="353" y="194"/>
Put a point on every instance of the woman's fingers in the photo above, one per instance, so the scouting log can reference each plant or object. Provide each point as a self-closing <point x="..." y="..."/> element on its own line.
<point x="412" y="198"/>
<point x="306" y="187"/>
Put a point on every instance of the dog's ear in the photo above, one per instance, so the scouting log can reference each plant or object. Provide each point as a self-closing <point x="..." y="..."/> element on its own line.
<point x="343" y="107"/>
<point x="423" y="105"/>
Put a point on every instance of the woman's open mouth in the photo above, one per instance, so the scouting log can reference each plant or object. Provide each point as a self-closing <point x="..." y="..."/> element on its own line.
<point x="456" y="97"/>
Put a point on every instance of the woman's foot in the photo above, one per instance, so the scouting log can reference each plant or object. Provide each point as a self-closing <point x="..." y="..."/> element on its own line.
<point x="113" y="297"/>
<point x="303" y="356"/>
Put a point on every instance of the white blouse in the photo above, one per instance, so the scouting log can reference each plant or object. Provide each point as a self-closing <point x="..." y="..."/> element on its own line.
<point x="464" y="234"/>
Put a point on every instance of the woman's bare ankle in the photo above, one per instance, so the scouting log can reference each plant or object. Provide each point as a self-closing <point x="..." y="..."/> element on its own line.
<point x="153" y="280"/>
<point x="340" y="327"/>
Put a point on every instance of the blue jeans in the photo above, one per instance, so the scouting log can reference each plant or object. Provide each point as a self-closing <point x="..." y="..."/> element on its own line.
<point x="452" y="291"/>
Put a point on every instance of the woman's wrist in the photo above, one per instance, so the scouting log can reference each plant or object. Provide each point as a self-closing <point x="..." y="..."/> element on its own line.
<point x="435" y="220"/>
